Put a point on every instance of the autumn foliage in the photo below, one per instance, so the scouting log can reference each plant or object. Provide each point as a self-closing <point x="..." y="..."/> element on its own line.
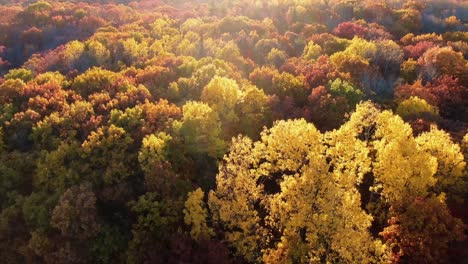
<point x="233" y="131"/>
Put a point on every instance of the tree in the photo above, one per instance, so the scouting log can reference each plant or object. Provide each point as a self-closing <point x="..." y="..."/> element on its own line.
<point x="450" y="163"/>
<point x="439" y="61"/>
<point x="253" y="107"/>
<point x="201" y="129"/>
<point x="156" y="79"/>
<point x="415" y="107"/>
<point x="153" y="151"/>
<point x="388" y="57"/>
<point x="355" y="59"/>
<point x="416" y="168"/>
<point x="286" y="84"/>
<point x="22" y="74"/>
<point x="263" y="78"/>
<point x="426" y="221"/>
<point x="339" y="87"/>
<point x="106" y="152"/>
<point x="132" y="52"/>
<point x="312" y="51"/>
<point x="72" y="56"/>
<point x="93" y="81"/>
<point x="276" y="57"/>
<point x="195" y="215"/>
<point x="451" y="96"/>
<point x="222" y="94"/>
<point x="326" y="111"/>
<point x="75" y="214"/>
<point x="263" y="47"/>
<point x="408" y="71"/>
<point x="59" y="169"/>
<point x="98" y="53"/>
<point x="417" y="50"/>
<point x="445" y="92"/>
<point x="286" y="204"/>
<point x="407" y="21"/>
<point x="350" y="29"/>
<point x="156" y="221"/>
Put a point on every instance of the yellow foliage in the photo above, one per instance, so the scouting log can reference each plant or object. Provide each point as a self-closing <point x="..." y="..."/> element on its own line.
<point x="153" y="150"/>
<point x="401" y="169"/>
<point x="195" y="214"/>
<point x="450" y="160"/>
<point x="316" y="209"/>
<point x="233" y="201"/>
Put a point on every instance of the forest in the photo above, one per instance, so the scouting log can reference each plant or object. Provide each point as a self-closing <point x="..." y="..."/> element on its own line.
<point x="233" y="131"/>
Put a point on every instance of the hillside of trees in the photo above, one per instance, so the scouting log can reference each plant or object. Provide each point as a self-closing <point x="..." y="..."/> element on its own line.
<point x="245" y="131"/>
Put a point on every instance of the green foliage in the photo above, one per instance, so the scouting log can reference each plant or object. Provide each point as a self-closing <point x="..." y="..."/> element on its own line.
<point x="93" y="81"/>
<point x="339" y="87"/>
<point x="59" y="169"/>
<point x="201" y="129"/>
<point x="107" y="155"/>
<point x="154" y="151"/>
<point x="276" y="57"/>
<point x="37" y="210"/>
<point x="415" y="106"/>
<point x="22" y="74"/>
<point x="155" y="222"/>
<point x="109" y="245"/>
<point x="312" y="51"/>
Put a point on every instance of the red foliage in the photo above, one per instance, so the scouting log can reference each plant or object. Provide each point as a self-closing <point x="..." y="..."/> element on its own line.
<point x="452" y="97"/>
<point x="420" y="125"/>
<point x="157" y="115"/>
<point x="420" y="232"/>
<point x="417" y="89"/>
<point x="263" y="78"/>
<point x="351" y="29"/>
<point x="45" y="98"/>
<point x="321" y="72"/>
<point x="327" y="112"/>
<point x="417" y="50"/>
<point x="445" y="92"/>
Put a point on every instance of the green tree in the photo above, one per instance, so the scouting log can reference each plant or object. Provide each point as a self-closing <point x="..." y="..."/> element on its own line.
<point x="201" y="129"/>
<point x="312" y="51"/>
<point x="107" y="155"/>
<point x="339" y="87"/>
<point x="94" y="80"/>
<point x="222" y="95"/>
<point x="414" y="107"/>
<point x="22" y="74"/>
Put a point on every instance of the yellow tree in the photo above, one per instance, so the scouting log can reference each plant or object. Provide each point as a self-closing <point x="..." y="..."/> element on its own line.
<point x="221" y="94"/>
<point x="195" y="215"/>
<point x="233" y="202"/>
<point x="283" y="203"/>
<point x="401" y="183"/>
<point x="450" y="161"/>
<point x="325" y="198"/>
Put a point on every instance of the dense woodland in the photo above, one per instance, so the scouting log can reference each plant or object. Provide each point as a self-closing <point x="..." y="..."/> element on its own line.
<point x="287" y="131"/>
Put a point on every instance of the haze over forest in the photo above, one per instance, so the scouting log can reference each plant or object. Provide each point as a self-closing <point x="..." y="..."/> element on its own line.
<point x="243" y="131"/>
